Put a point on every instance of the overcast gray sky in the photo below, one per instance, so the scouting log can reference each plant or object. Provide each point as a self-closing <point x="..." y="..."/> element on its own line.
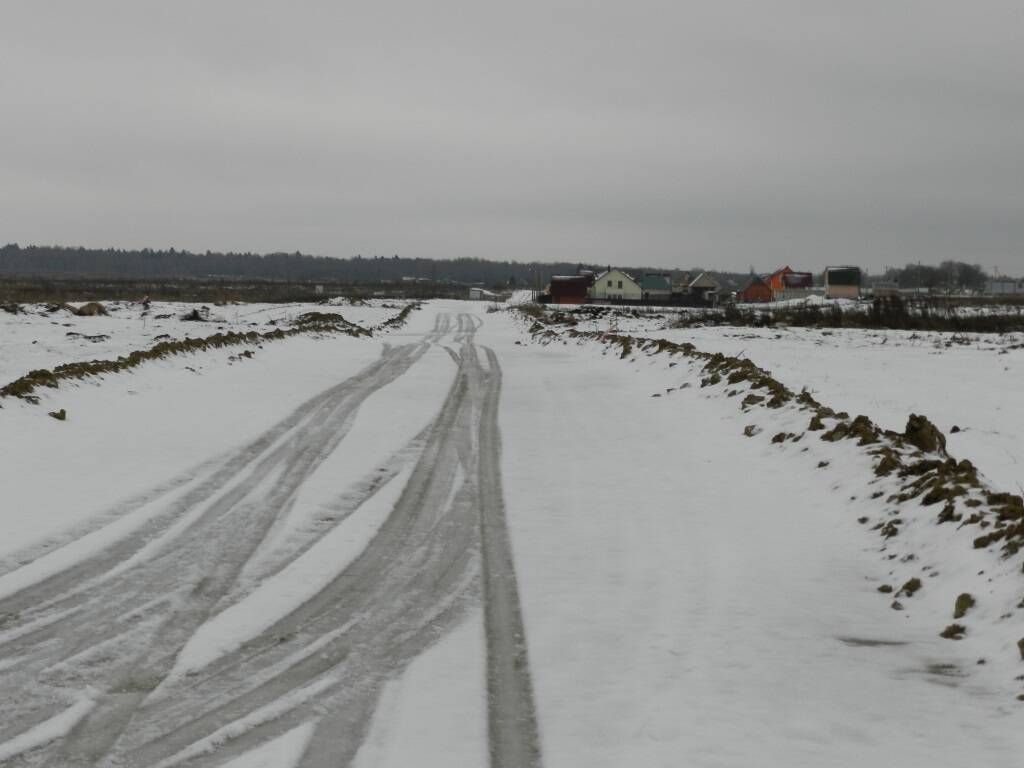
<point x="715" y="133"/>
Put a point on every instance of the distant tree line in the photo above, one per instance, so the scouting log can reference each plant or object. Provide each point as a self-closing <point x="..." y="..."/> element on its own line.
<point x="947" y="276"/>
<point x="359" y="270"/>
<point x="296" y="267"/>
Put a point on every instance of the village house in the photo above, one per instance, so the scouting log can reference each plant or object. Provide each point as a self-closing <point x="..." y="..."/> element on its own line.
<point x="795" y="285"/>
<point x="774" y="280"/>
<point x="842" y="282"/>
<point x="570" y="289"/>
<point x="681" y="284"/>
<point x="787" y="283"/>
<point x="615" y="284"/>
<point x="756" y="290"/>
<point x="657" y="288"/>
<point x="705" y="287"/>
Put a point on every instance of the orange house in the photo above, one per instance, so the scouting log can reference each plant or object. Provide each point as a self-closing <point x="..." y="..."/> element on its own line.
<point x="775" y="279"/>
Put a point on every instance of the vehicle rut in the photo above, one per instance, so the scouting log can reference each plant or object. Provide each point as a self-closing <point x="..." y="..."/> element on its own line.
<point x="117" y="621"/>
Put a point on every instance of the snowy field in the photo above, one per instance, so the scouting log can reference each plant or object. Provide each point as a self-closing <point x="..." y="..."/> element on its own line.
<point x="968" y="381"/>
<point x="452" y="544"/>
<point x="39" y="338"/>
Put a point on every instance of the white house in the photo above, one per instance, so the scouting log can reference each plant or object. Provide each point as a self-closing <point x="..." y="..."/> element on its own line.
<point x="615" y="284"/>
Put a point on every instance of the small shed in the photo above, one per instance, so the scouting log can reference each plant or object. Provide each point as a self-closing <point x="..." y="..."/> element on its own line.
<point x="479" y="294"/>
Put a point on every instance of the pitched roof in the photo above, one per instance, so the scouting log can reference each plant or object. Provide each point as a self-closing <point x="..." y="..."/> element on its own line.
<point x="656" y="282"/>
<point x="609" y="271"/>
<point x="704" y="280"/>
<point x="755" y="280"/>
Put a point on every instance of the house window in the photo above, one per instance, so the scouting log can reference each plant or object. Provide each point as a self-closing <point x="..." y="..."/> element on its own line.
<point x="620" y="283"/>
<point x="609" y="283"/>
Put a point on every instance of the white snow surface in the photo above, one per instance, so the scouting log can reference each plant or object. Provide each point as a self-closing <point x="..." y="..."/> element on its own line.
<point x="49" y="730"/>
<point x="38" y="338"/>
<point x="156" y="425"/>
<point x="695" y="596"/>
<point x="295" y="740"/>
<point x="300" y="580"/>
<point x="283" y="752"/>
<point x="691" y="596"/>
<point x="969" y="381"/>
<point x="439" y="695"/>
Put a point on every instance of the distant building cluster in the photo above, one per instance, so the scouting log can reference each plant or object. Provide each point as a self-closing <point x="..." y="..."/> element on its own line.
<point x="616" y="286"/>
<point x="619" y="286"/>
<point x="786" y="283"/>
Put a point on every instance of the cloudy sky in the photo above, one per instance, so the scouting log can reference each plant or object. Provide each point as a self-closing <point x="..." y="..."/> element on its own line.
<point x="716" y="133"/>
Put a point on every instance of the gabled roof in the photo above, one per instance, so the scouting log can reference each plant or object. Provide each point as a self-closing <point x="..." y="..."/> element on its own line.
<point x="655" y="282"/>
<point x="755" y="280"/>
<point x="783" y="271"/>
<point x="609" y="271"/>
<point x="704" y="280"/>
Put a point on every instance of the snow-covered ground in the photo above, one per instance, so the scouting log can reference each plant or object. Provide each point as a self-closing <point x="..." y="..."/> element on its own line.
<point x="968" y="381"/>
<point x="694" y="593"/>
<point x="38" y="338"/>
<point x="322" y="553"/>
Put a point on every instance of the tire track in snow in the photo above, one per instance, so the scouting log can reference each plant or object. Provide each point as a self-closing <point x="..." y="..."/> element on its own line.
<point x="66" y="581"/>
<point x="406" y="589"/>
<point x="512" y="720"/>
<point x="206" y="556"/>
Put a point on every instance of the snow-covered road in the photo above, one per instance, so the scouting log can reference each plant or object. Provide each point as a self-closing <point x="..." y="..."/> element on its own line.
<point x="450" y="545"/>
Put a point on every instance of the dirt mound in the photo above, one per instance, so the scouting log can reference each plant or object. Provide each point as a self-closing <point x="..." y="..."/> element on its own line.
<point x="92" y="309"/>
<point x="197" y="315"/>
<point x="924" y="435"/>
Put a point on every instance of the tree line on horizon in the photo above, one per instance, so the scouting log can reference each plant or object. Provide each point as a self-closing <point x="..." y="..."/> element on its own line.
<point x="293" y="267"/>
<point x="949" y="275"/>
<point x="148" y="263"/>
